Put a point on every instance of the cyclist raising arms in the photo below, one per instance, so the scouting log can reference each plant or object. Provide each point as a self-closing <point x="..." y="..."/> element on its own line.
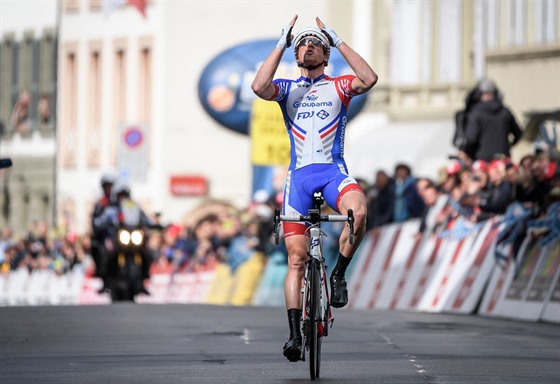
<point x="314" y="107"/>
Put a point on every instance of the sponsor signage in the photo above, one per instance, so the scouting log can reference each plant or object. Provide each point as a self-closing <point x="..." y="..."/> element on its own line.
<point x="188" y="185"/>
<point x="224" y="88"/>
<point x="270" y="144"/>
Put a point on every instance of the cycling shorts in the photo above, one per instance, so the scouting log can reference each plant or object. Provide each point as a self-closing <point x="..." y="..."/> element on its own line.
<point x="331" y="179"/>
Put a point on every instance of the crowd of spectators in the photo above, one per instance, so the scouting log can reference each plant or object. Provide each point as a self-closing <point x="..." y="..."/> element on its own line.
<point x="223" y="234"/>
<point x="471" y="191"/>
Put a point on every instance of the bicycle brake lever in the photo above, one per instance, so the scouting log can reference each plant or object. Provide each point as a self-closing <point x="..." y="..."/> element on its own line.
<point x="351" y="226"/>
<point x="276" y="226"/>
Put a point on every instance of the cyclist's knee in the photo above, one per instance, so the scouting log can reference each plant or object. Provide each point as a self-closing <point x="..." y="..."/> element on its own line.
<point x="297" y="260"/>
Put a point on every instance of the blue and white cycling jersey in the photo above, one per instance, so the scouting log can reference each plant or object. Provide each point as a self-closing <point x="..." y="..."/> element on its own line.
<point x="315" y="116"/>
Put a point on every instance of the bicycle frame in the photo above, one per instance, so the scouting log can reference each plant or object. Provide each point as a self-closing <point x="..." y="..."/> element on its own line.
<point x="315" y="251"/>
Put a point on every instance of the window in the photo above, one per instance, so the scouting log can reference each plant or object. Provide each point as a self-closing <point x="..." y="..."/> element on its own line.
<point x="47" y="83"/>
<point x="145" y="86"/>
<point x="5" y="83"/>
<point x="69" y="119"/>
<point x="93" y="137"/>
<point x="118" y="94"/>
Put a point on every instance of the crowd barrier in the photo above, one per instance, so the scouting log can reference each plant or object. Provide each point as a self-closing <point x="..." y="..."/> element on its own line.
<point x="457" y="274"/>
<point x="395" y="268"/>
<point x="220" y="285"/>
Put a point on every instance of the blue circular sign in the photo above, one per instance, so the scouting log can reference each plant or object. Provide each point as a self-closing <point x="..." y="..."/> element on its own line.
<point x="224" y="88"/>
<point x="133" y="137"/>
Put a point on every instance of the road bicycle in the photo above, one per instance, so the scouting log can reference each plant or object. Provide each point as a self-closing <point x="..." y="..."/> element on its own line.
<point x="316" y="312"/>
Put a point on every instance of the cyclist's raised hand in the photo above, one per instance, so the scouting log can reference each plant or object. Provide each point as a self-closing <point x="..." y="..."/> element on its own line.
<point x="334" y="40"/>
<point x="286" y="35"/>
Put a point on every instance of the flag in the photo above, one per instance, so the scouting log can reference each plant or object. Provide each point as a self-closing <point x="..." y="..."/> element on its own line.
<point x="140" y="5"/>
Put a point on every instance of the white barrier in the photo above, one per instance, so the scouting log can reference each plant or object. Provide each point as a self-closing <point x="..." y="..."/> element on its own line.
<point x="183" y="288"/>
<point x="396" y="270"/>
<point x="528" y="287"/>
<point x="463" y="272"/>
<point x="45" y="287"/>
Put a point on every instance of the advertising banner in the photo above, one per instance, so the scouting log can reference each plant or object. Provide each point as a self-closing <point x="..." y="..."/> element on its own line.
<point x="224" y="88"/>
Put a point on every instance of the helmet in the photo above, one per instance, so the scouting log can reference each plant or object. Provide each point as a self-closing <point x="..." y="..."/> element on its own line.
<point x="487" y="86"/>
<point x="317" y="33"/>
<point x="122" y="188"/>
<point x="107" y="178"/>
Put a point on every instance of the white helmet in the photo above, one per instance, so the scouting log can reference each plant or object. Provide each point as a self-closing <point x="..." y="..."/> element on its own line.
<point x="122" y="187"/>
<point x="108" y="178"/>
<point x="317" y="33"/>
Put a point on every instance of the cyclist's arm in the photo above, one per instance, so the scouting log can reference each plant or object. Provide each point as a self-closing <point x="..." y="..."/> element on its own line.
<point x="365" y="75"/>
<point x="262" y="84"/>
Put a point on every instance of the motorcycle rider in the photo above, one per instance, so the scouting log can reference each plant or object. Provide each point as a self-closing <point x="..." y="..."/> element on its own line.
<point x="100" y="233"/>
<point x="125" y="212"/>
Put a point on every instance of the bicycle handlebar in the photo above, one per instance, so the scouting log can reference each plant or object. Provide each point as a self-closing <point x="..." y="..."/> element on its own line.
<point x="322" y="218"/>
<point x="314" y="219"/>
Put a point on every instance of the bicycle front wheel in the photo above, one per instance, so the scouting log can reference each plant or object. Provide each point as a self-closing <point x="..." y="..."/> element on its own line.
<point x="314" y="319"/>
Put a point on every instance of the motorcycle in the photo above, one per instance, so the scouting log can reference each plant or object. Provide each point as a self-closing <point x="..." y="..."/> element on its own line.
<point x="125" y="277"/>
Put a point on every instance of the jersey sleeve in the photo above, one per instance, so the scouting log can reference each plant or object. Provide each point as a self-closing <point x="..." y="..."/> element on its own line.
<point x="344" y="88"/>
<point x="282" y="86"/>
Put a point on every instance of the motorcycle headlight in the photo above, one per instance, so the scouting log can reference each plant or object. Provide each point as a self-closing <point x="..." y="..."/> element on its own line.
<point x="124" y="237"/>
<point x="137" y="237"/>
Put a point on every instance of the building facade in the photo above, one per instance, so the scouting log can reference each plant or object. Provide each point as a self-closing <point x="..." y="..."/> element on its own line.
<point x="127" y="90"/>
<point x="28" y="95"/>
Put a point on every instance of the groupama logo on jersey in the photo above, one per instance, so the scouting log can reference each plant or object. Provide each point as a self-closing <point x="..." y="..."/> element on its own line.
<point x="224" y="88"/>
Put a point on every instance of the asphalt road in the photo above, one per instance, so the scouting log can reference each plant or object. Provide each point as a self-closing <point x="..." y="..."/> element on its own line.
<point x="131" y="343"/>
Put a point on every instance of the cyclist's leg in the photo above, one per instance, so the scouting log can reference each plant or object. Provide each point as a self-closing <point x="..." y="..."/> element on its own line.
<point x="297" y="254"/>
<point x="353" y="199"/>
<point x="295" y="202"/>
<point x="343" y="193"/>
<point x="349" y="195"/>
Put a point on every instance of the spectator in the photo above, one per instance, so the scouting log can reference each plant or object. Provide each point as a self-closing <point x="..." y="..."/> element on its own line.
<point x="6" y="240"/>
<point x="44" y="108"/>
<point x="491" y="127"/>
<point x="207" y="248"/>
<point x="500" y="191"/>
<point x="434" y="201"/>
<point x="461" y="119"/>
<point x="408" y="203"/>
<point x="20" y="117"/>
<point x="534" y="184"/>
<point x="381" y="201"/>
<point x="451" y="177"/>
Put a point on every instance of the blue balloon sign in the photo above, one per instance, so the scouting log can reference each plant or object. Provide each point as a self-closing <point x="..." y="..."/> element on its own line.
<point x="224" y="88"/>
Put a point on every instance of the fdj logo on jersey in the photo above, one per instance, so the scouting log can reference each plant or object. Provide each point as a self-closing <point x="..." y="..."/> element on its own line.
<point x="305" y="115"/>
<point x="322" y="114"/>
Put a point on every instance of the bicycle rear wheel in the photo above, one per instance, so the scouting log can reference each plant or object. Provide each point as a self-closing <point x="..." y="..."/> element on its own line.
<point x="314" y="319"/>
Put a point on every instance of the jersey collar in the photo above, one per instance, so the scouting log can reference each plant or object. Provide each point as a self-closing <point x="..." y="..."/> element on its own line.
<point x="312" y="81"/>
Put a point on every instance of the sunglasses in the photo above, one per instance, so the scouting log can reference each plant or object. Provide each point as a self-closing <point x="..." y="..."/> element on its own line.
<point x="313" y="40"/>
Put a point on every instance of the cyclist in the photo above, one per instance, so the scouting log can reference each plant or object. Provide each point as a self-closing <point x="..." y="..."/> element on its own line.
<point x="314" y="107"/>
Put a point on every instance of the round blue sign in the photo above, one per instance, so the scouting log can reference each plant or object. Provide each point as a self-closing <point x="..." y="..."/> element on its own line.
<point x="133" y="137"/>
<point x="224" y="88"/>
